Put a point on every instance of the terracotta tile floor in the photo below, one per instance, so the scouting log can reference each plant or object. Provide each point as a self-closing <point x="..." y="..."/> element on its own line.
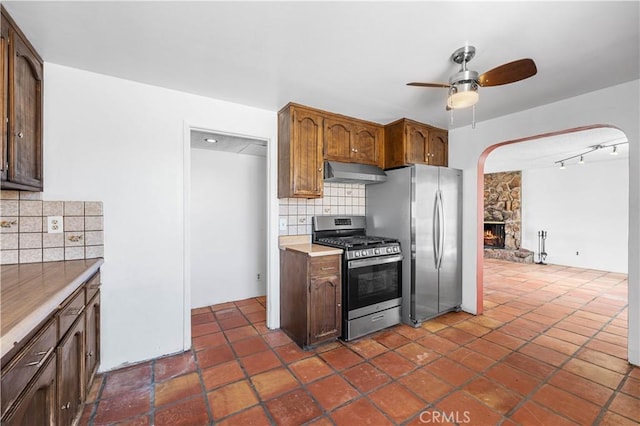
<point x="549" y="350"/>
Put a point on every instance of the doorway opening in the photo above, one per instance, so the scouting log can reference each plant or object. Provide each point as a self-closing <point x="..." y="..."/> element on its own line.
<point x="228" y="218"/>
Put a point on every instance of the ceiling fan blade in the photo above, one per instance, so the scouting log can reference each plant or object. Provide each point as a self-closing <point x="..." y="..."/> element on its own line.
<point x="508" y="73"/>
<point x="446" y="86"/>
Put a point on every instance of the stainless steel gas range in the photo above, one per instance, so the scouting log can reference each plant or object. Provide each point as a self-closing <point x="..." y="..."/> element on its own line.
<point x="371" y="277"/>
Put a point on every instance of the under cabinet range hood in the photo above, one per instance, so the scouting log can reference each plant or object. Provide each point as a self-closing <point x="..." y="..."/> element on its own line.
<point x="335" y="171"/>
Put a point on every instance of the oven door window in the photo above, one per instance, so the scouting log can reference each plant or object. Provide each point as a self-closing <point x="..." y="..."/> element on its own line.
<point x="370" y="282"/>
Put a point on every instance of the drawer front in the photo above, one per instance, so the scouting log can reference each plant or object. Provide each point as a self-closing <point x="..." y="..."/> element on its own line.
<point x="24" y="366"/>
<point x="70" y="312"/>
<point x="92" y="286"/>
<point x="325" y="265"/>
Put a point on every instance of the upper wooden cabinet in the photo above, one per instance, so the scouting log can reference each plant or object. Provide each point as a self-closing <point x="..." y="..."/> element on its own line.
<point x="410" y="142"/>
<point x="300" y="164"/>
<point x="352" y="141"/>
<point x="308" y="136"/>
<point x="21" y="108"/>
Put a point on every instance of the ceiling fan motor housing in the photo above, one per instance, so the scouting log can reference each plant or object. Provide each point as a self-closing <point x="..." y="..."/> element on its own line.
<point x="466" y="76"/>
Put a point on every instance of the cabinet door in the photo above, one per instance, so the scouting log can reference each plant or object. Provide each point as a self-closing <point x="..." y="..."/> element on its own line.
<point x="417" y="144"/>
<point x="37" y="404"/>
<point x="366" y="144"/>
<point x="71" y="373"/>
<point x="306" y="151"/>
<point x="4" y="95"/>
<point x="324" y="308"/>
<point x="438" y="148"/>
<point x="25" y="141"/>
<point x="92" y="346"/>
<point x="338" y="135"/>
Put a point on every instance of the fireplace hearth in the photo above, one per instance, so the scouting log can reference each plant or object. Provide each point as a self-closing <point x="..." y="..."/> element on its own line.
<point x="494" y="235"/>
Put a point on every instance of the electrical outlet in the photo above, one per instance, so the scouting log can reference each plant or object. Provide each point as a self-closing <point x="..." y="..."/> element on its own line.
<point x="55" y="224"/>
<point x="577" y="253"/>
<point x="258" y="277"/>
<point x="282" y="224"/>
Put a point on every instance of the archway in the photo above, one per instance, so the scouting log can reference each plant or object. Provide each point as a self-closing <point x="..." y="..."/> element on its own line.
<point x="480" y="199"/>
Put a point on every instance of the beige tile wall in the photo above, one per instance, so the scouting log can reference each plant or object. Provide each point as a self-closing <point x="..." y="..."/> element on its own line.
<point x="339" y="198"/>
<point x="23" y="229"/>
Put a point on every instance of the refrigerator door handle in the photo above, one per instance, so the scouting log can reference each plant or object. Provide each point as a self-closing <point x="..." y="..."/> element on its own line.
<point x="436" y="231"/>
<point x="441" y="229"/>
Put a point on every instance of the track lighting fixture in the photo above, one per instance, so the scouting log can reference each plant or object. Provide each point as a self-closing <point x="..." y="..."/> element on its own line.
<point x="581" y="156"/>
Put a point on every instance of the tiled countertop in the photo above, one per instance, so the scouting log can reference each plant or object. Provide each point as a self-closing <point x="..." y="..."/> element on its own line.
<point x="31" y="292"/>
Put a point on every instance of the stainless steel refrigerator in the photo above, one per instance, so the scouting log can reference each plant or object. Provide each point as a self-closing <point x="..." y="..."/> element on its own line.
<point x="421" y="206"/>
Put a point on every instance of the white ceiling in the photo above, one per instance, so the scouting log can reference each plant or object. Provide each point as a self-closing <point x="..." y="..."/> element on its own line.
<point x="548" y="152"/>
<point x="228" y="143"/>
<point x="353" y="58"/>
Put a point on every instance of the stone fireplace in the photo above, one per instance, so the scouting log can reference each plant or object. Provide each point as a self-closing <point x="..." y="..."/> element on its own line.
<point x="502" y="226"/>
<point x="494" y="234"/>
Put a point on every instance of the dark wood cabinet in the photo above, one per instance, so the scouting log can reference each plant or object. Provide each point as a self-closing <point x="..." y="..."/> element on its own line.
<point x="310" y="297"/>
<point x="367" y="143"/>
<point x="4" y="100"/>
<point x="439" y="147"/>
<point x="338" y="135"/>
<point x="71" y="373"/>
<point x="352" y="141"/>
<point x="92" y="341"/>
<point x="324" y="308"/>
<point x="22" y="78"/>
<point x="409" y="142"/>
<point x="300" y="163"/>
<point x="308" y="136"/>
<point x="37" y="405"/>
<point x="46" y="381"/>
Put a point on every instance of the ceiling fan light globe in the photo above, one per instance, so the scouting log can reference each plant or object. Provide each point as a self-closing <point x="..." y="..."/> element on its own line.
<point x="462" y="99"/>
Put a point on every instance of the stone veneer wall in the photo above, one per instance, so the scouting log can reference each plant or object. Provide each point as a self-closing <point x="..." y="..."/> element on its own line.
<point x="502" y="193"/>
<point x="23" y="229"/>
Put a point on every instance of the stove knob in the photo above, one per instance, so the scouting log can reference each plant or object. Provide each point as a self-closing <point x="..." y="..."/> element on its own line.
<point x="357" y="254"/>
<point x="364" y="253"/>
<point x="396" y="249"/>
<point x="377" y="251"/>
<point x="389" y="249"/>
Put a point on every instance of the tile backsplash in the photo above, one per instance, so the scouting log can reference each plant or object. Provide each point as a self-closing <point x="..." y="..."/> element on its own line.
<point x="23" y="229"/>
<point x="339" y="198"/>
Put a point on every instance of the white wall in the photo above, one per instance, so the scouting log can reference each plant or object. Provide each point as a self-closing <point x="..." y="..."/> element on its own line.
<point x="228" y="226"/>
<point x="584" y="208"/>
<point x="618" y="106"/>
<point x="123" y="143"/>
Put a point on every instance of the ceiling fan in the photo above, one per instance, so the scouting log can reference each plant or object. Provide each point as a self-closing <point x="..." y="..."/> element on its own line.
<point x="463" y="85"/>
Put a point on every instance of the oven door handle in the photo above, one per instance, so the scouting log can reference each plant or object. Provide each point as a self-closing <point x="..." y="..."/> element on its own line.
<point x="373" y="261"/>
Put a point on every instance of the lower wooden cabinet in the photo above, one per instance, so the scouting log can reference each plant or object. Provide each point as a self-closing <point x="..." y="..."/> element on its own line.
<point x="310" y="297"/>
<point x="46" y="382"/>
<point x="37" y="405"/>
<point x="92" y="340"/>
<point x="71" y="379"/>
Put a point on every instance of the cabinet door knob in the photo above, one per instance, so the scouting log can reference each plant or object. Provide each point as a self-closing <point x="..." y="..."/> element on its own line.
<point x="320" y="169"/>
<point x="20" y="135"/>
<point x="90" y="353"/>
<point x="66" y="406"/>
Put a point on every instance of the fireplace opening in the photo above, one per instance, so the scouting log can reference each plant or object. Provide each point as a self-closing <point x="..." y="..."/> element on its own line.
<point x="494" y="234"/>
